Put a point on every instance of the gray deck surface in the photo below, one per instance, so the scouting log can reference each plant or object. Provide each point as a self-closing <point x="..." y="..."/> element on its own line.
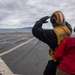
<point x="28" y="59"/>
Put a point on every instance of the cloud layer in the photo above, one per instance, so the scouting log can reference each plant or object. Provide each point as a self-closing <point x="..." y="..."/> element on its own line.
<point x="24" y="13"/>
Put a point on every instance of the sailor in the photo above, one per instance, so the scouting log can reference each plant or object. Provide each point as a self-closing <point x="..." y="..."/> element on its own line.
<point x="52" y="37"/>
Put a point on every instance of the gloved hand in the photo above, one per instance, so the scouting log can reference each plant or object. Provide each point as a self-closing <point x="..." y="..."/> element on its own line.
<point x="43" y="19"/>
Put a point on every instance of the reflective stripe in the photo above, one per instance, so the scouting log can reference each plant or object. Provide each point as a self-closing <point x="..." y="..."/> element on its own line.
<point x="61" y="17"/>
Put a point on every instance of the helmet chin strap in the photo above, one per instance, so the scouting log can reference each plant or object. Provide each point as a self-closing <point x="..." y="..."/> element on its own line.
<point x="56" y="25"/>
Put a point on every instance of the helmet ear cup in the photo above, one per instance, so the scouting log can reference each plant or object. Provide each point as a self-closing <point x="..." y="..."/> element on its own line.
<point x="53" y="19"/>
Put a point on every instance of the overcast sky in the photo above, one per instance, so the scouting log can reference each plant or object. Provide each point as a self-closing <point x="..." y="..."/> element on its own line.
<point x="24" y="13"/>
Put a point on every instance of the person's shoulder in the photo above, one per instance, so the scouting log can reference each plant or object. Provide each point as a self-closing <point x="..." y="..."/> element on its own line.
<point x="66" y="39"/>
<point x="50" y="31"/>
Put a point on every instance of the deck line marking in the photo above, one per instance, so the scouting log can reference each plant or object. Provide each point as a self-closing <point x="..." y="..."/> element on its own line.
<point x="12" y="49"/>
<point x="4" y="69"/>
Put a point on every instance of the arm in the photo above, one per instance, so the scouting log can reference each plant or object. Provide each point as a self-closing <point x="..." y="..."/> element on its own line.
<point x="48" y="36"/>
<point x="38" y="31"/>
<point x="60" y="50"/>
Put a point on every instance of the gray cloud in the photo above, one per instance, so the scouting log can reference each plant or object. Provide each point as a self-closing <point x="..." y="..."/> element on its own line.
<point x="23" y="13"/>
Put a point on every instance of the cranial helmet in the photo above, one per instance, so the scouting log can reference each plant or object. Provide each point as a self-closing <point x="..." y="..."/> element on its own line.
<point x="57" y="18"/>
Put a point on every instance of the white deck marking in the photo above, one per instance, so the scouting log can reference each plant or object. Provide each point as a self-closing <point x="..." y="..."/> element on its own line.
<point x="4" y="70"/>
<point x="12" y="49"/>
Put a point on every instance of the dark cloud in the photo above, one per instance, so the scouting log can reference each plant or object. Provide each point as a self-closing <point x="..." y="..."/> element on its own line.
<point x="21" y="13"/>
